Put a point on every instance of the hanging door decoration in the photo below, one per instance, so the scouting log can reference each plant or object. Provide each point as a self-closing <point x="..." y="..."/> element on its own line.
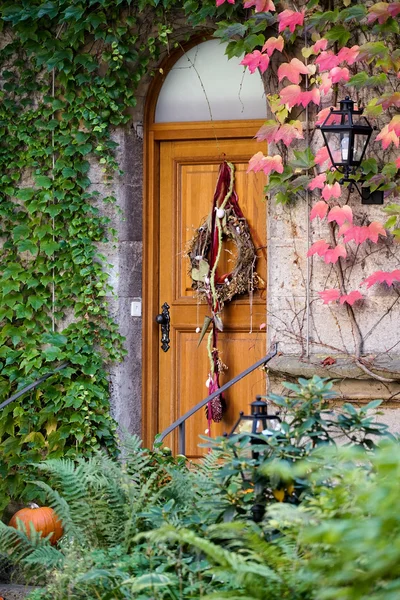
<point x="226" y="222"/>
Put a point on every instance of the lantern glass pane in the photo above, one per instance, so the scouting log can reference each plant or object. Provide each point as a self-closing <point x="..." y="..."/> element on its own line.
<point x="259" y="426"/>
<point x="244" y="426"/>
<point x="338" y="145"/>
<point x="360" y="142"/>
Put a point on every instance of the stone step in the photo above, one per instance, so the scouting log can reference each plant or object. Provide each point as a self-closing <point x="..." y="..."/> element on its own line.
<point x="15" y="592"/>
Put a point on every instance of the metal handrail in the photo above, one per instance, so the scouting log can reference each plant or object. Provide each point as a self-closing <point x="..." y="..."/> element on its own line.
<point x="33" y="385"/>
<point x="181" y="421"/>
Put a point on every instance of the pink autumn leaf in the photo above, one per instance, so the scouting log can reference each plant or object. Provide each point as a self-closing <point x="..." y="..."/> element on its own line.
<point x="219" y="2"/>
<point x="387" y="137"/>
<point x="273" y="163"/>
<point x="325" y="86"/>
<point x="261" y="5"/>
<point x="293" y="95"/>
<point x="376" y="229"/>
<point x="327" y="61"/>
<point x="348" y="55"/>
<point x="332" y="255"/>
<point x="394" y="125"/>
<point x="356" y="234"/>
<point x="320" y="45"/>
<point x="394" y="9"/>
<point x="398" y="162"/>
<point x="259" y="162"/>
<point x="256" y="60"/>
<point x="292" y="70"/>
<point x="329" y="296"/>
<point x="290" y="18"/>
<point x="319" y="248"/>
<point x="340" y="214"/>
<point x="378" y="12"/>
<point x="319" y="210"/>
<point x="322" y="156"/>
<point x="311" y="96"/>
<point x="325" y="112"/>
<point x="343" y="228"/>
<point x="273" y="44"/>
<point x="289" y="132"/>
<point x="331" y="191"/>
<point x="388" y="277"/>
<point x="317" y="182"/>
<point x="290" y="95"/>
<point x="267" y="131"/>
<point x="338" y="74"/>
<point x="351" y="298"/>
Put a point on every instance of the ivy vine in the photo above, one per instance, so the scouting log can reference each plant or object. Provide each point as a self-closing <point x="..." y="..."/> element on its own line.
<point x="69" y="71"/>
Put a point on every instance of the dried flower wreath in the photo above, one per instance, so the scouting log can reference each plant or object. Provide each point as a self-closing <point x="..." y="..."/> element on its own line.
<point x="225" y="222"/>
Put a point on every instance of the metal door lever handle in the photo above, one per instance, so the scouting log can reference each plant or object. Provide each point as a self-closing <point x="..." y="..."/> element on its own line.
<point x="163" y="319"/>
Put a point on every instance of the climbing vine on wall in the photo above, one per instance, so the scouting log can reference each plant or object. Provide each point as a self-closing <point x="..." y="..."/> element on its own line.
<point x="69" y="72"/>
<point x="315" y="53"/>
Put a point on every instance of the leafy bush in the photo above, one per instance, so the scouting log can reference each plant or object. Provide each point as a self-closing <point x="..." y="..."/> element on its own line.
<point x="152" y="526"/>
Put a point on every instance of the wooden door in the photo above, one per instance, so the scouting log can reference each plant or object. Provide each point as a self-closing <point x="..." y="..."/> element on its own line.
<point x="188" y="175"/>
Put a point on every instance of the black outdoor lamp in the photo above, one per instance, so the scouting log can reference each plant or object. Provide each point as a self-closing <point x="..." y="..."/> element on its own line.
<point x="258" y="422"/>
<point x="346" y="135"/>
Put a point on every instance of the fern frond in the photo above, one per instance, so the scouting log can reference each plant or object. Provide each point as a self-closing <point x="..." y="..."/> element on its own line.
<point x="63" y="511"/>
<point x="15" y="543"/>
<point x="46" y="557"/>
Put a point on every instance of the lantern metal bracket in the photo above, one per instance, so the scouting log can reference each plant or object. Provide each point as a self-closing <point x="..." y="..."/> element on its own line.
<point x="367" y="197"/>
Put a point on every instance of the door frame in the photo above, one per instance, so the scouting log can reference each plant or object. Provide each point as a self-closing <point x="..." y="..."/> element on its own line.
<point x="155" y="133"/>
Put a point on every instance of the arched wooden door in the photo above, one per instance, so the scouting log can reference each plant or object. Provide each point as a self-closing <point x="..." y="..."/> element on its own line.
<point x="181" y="173"/>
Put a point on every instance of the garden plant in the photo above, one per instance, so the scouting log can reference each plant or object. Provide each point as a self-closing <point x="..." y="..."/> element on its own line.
<point x="152" y="526"/>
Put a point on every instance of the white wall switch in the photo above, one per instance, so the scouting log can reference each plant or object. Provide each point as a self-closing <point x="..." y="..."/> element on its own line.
<point x="136" y="308"/>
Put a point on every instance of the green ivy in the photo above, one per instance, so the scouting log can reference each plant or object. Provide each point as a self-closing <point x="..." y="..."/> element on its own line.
<point x="69" y="72"/>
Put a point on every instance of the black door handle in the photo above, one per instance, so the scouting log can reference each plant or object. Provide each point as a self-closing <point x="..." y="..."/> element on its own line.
<point x="163" y="319"/>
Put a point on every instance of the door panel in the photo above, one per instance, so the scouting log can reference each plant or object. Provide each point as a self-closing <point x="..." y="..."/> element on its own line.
<point x="188" y="175"/>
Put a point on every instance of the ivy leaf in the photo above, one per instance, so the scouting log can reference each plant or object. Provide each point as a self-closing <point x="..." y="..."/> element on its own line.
<point x="84" y="149"/>
<point x="43" y="181"/>
<point x="47" y="9"/>
<point x="68" y="172"/>
<point x="358" y="81"/>
<point x="20" y="232"/>
<point x="226" y="33"/>
<point x="338" y="33"/>
<point x="304" y="159"/>
<point x="369" y="165"/>
<point x="27" y="246"/>
<point x="56" y="339"/>
<point x="357" y="11"/>
<point x="74" y="12"/>
<point x="49" y="247"/>
<point x="25" y="194"/>
<point x="391" y="222"/>
<point x="52" y="353"/>
<point x="35" y="301"/>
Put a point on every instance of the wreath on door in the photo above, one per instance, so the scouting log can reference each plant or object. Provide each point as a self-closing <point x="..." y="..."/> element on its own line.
<point x="226" y="221"/>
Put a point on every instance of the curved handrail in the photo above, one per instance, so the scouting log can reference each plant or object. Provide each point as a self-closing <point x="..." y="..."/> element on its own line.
<point x="181" y="421"/>
<point x="33" y="385"/>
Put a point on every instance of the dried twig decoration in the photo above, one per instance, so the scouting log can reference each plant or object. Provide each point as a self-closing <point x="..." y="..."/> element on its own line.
<point x="225" y="222"/>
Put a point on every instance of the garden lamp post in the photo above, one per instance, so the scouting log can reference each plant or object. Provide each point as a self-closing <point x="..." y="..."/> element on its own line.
<point x="346" y="135"/>
<point x="258" y="422"/>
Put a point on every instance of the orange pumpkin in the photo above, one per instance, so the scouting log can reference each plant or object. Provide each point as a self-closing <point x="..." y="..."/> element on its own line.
<point x="44" y="520"/>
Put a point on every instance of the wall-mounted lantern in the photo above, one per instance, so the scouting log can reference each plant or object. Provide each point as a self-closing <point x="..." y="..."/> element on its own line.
<point x="346" y="135"/>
